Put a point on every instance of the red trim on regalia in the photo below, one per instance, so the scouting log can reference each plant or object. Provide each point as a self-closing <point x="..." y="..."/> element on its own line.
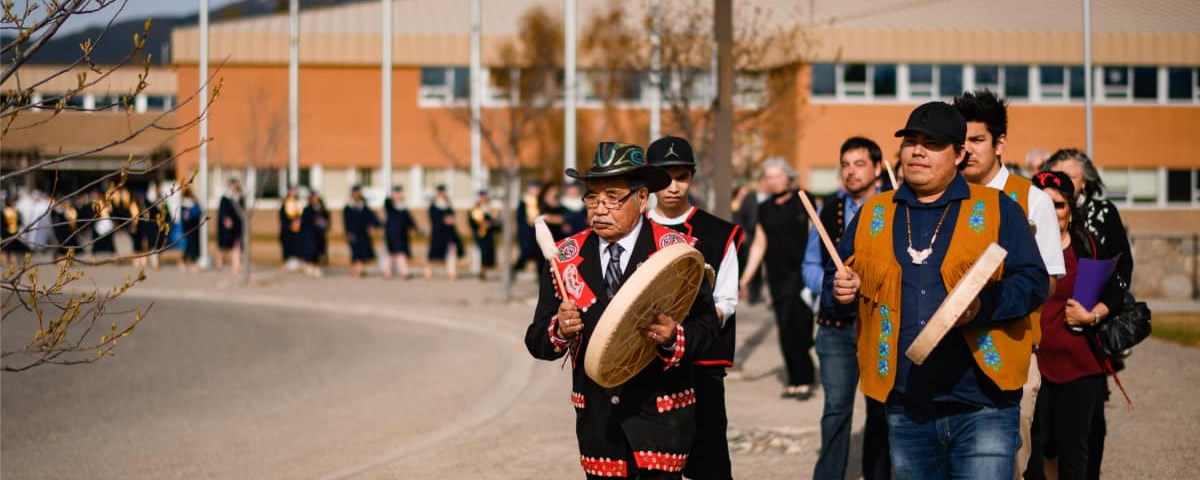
<point x="667" y="462"/>
<point x="603" y="467"/>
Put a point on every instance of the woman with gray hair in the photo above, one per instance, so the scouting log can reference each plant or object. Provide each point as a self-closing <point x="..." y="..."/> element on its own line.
<point x="1100" y="215"/>
<point x="780" y="238"/>
<point x="1101" y="220"/>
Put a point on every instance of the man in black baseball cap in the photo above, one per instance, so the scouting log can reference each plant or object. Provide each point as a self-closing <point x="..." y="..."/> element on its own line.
<point x="932" y="127"/>
<point x="904" y="253"/>
<point x="719" y="241"/>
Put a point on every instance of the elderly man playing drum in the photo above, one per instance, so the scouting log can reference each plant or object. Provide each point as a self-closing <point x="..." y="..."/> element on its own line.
<point x="644" y="427"/>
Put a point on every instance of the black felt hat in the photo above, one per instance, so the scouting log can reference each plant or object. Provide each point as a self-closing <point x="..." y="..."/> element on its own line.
<point x="616" y="160"/>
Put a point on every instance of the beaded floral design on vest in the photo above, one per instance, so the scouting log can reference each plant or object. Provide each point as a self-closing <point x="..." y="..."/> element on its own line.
<point x="991" y="356"/>
<point x="876" y="220"/>
<point x="976" y="220"/>
<point x="885" y="332"/>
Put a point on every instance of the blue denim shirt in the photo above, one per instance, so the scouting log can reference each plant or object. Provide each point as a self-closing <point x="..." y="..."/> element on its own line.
<point x="950" y="374"/>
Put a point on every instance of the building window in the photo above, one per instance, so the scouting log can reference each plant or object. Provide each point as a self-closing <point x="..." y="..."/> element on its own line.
<point x="749" y="89"/>
<point x="1143" y="185"/>
<point x="462" y="83"/>
<point x="921" y="82"/>
<point x="1016" y="82"/>
<point x="76" y="101"/>
<point x="444" y="84"/>
<point x="950" y="80"/>
<point x="1180" y="186"/>
<point x="1116" y="83"/>
<point x="364" y="176"/>
<point x="1145" y="83"/>
<point x="1181" y="84"/>
<point x="987" y="76"/>
<point x="1078" y="80"/>
<point x="503" y="84"/>
<point x="160" y="102"/>
<point x="824" y="80"/>
<point x="268" y="180"/>
<point x="1052" y="82"/>
<point x="884" y="80"/>
<point x="854" y="80"/>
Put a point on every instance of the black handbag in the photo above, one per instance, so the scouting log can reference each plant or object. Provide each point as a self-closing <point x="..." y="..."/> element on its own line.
<point x="1124" y="329"/>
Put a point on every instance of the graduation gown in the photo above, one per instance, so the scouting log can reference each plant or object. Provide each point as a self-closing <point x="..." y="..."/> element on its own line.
<point x="442" y="235"/>
<point x="397" y="224"/>
<point x="314" y="227"/>
<point x="359" y="220"/>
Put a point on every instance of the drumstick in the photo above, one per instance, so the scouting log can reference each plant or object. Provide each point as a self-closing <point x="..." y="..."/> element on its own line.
<point x="812" y="213"/>
<point x="960" y="297"/>
<point x="545" y="241"/>
<point x="891" y="173"/>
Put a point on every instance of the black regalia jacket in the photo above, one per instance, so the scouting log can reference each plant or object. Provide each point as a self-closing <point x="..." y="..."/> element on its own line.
<point x="832" y="216"/>
<point x="647" y="423"/>
<point x="714" y="238"/>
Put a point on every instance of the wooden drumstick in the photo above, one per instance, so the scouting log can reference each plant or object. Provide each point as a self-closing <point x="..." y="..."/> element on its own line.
<point x="891" y="173"/>
<point x="545" y="241"/>
<point x="960" y="297"/>
<point x="812" y="213"/>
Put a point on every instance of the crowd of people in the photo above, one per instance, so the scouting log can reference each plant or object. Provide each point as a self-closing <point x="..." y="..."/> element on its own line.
<point x="1016" y="389"/>
<point x="89" y="223"/>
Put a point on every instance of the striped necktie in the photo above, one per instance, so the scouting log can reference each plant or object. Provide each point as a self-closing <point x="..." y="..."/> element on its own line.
<point x="612" y="274"/>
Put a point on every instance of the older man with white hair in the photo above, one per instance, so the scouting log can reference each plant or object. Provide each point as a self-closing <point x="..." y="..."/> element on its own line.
<point x="780" y="238"/>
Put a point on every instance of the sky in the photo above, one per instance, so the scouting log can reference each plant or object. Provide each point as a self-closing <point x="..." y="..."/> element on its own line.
<point x="140" y="9"/>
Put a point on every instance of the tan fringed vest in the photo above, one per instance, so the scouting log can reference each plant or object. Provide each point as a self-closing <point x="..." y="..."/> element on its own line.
<point x="1003" y="353"/>
<point x="1017" y="188"/>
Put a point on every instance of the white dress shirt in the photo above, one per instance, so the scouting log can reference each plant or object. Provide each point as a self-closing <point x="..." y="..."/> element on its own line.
<point x="626" y="244"/>
<point x="1045" y="219"/>
<point x="725" y="288"/>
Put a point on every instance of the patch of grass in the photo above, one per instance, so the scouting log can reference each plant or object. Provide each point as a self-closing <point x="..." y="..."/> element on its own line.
<point x="1181" y="328"/>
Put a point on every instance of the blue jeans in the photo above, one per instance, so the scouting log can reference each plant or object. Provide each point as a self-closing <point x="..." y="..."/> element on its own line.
<point x="978" y="444"/>
<point x="837" y="350"/>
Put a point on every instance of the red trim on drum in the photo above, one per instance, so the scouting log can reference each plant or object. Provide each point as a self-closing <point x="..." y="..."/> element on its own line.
<point x="724" y="363"/>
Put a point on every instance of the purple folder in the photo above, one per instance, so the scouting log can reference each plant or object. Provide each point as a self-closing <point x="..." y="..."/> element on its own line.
<point x="1090" y="277"/>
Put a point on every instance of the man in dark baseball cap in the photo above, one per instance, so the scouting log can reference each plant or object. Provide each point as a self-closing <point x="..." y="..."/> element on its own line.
<point x="905" y="251"/>
<point x="719" y="241"/>
<point x="933" y="128"/>
<point x="937" y="120"/>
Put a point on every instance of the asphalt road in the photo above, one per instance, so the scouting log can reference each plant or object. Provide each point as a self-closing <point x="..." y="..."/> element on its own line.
<point x="215" y="390"/>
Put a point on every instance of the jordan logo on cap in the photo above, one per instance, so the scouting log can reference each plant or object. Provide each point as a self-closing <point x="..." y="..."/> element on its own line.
<point x="670" y="151"/>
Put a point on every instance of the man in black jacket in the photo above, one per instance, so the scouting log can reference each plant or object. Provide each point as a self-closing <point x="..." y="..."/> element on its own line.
<point x="643" y="428"/>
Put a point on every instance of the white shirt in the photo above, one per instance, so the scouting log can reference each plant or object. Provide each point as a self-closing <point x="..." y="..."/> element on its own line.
<point x="626" y="244"/>
<point x="725" y="289"/>
<point x="1044" y="218"/>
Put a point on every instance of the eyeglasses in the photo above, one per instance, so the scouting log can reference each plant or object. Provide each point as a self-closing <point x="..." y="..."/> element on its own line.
<point x="593" y="200"/>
